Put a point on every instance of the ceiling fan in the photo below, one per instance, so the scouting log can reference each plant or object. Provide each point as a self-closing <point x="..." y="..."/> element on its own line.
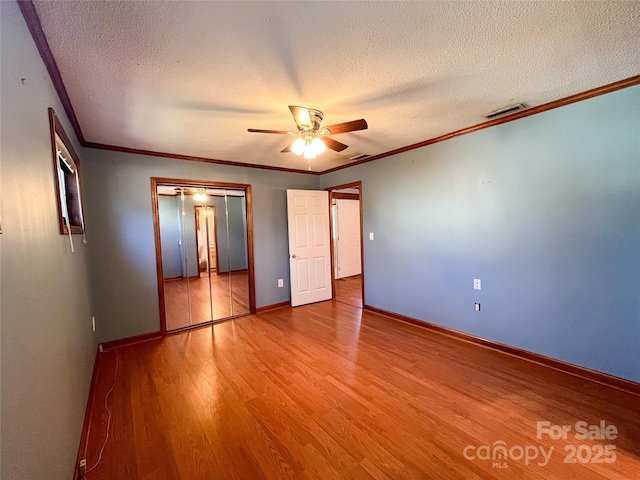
<point x="313" y="140"/>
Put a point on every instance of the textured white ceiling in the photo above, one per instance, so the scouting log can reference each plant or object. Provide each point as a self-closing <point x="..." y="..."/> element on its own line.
<point x="190" y="77"/>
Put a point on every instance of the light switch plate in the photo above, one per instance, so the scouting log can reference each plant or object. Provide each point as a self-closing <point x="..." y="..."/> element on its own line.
<point x="370" y="235"/>
<point x="477" y="284"/>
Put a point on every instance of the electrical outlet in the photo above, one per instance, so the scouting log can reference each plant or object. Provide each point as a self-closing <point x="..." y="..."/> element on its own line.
<point x="280" y="283"/>
<point x="370" y="235"/>
<point x="477" y="306"/>
<point x="477" y="284"/>
<point x="93" y="323"/>
<point x="82" y="468"/>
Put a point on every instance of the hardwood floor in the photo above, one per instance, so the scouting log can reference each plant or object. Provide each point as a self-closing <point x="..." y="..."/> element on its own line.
<point x="328" y="391"/>
<point x="202" y="310"/>
<point x="349" y="290"/>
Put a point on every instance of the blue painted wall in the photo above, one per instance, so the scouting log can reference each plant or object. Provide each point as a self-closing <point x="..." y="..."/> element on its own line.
<point x="237" y="243"/>
<point x="170" y="236"/>
<point x="47" y="344"/>
<point x="122" y="265"/>
<point x="544" y="210"/>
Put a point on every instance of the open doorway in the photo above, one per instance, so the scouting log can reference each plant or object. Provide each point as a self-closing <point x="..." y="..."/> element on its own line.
<point x="346" y="243"/>
<point x="206" y="240"/>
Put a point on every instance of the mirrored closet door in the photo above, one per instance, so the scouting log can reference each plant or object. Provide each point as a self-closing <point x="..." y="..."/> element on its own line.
<point x="203" y="251"/>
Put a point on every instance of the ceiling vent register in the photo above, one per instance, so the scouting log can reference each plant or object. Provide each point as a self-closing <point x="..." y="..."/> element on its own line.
<point x="505" y="111"/>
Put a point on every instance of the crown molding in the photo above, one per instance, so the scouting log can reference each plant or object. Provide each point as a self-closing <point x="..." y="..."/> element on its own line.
<point x="30" y="15"/>
<point x="191" y="158"/>
<point x="578" y="97"/>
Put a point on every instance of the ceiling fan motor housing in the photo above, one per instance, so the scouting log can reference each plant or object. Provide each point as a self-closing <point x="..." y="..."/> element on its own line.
<point x="316" y="119"/>
<point x="308" y="141"/>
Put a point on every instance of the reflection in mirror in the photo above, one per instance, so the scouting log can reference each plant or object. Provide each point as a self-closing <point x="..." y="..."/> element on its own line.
<point x="239" y="277"/>
<point x="174" y="267"/>
<point x="205" y="262"/>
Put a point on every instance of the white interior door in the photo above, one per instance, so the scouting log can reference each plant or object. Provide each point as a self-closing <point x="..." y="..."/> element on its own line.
<point x="348" y="238"/>
<point x="309" y="247"/>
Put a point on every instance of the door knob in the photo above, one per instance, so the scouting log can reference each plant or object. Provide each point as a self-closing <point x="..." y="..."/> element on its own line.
<point x="293" y="255"/>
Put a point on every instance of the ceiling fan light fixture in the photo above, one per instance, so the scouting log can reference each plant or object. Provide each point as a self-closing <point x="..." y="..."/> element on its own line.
<point x="318" y="146"/>
<point x="308" y="142"/>
<point x="308" y="146"/>
<point x="309" y="154"/>
<point x="297" y="146"/>
<point x="201" y="196"/>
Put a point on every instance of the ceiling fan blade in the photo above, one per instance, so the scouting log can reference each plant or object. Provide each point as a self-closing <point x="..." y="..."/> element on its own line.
<point x="334" y="144"/>
<point x="286" y="149"/>
<point x="345" y="127"/>
<point x="301" y="116"/>
<point x="257" y="130"/>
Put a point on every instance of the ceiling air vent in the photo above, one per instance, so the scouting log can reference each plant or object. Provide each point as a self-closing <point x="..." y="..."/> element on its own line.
<point x="360" y="156"/>
<point x="505" y="111"/>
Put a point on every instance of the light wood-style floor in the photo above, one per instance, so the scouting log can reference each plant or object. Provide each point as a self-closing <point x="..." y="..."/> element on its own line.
<point x="328" y="391"/>
<point x="203" y="306"/>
